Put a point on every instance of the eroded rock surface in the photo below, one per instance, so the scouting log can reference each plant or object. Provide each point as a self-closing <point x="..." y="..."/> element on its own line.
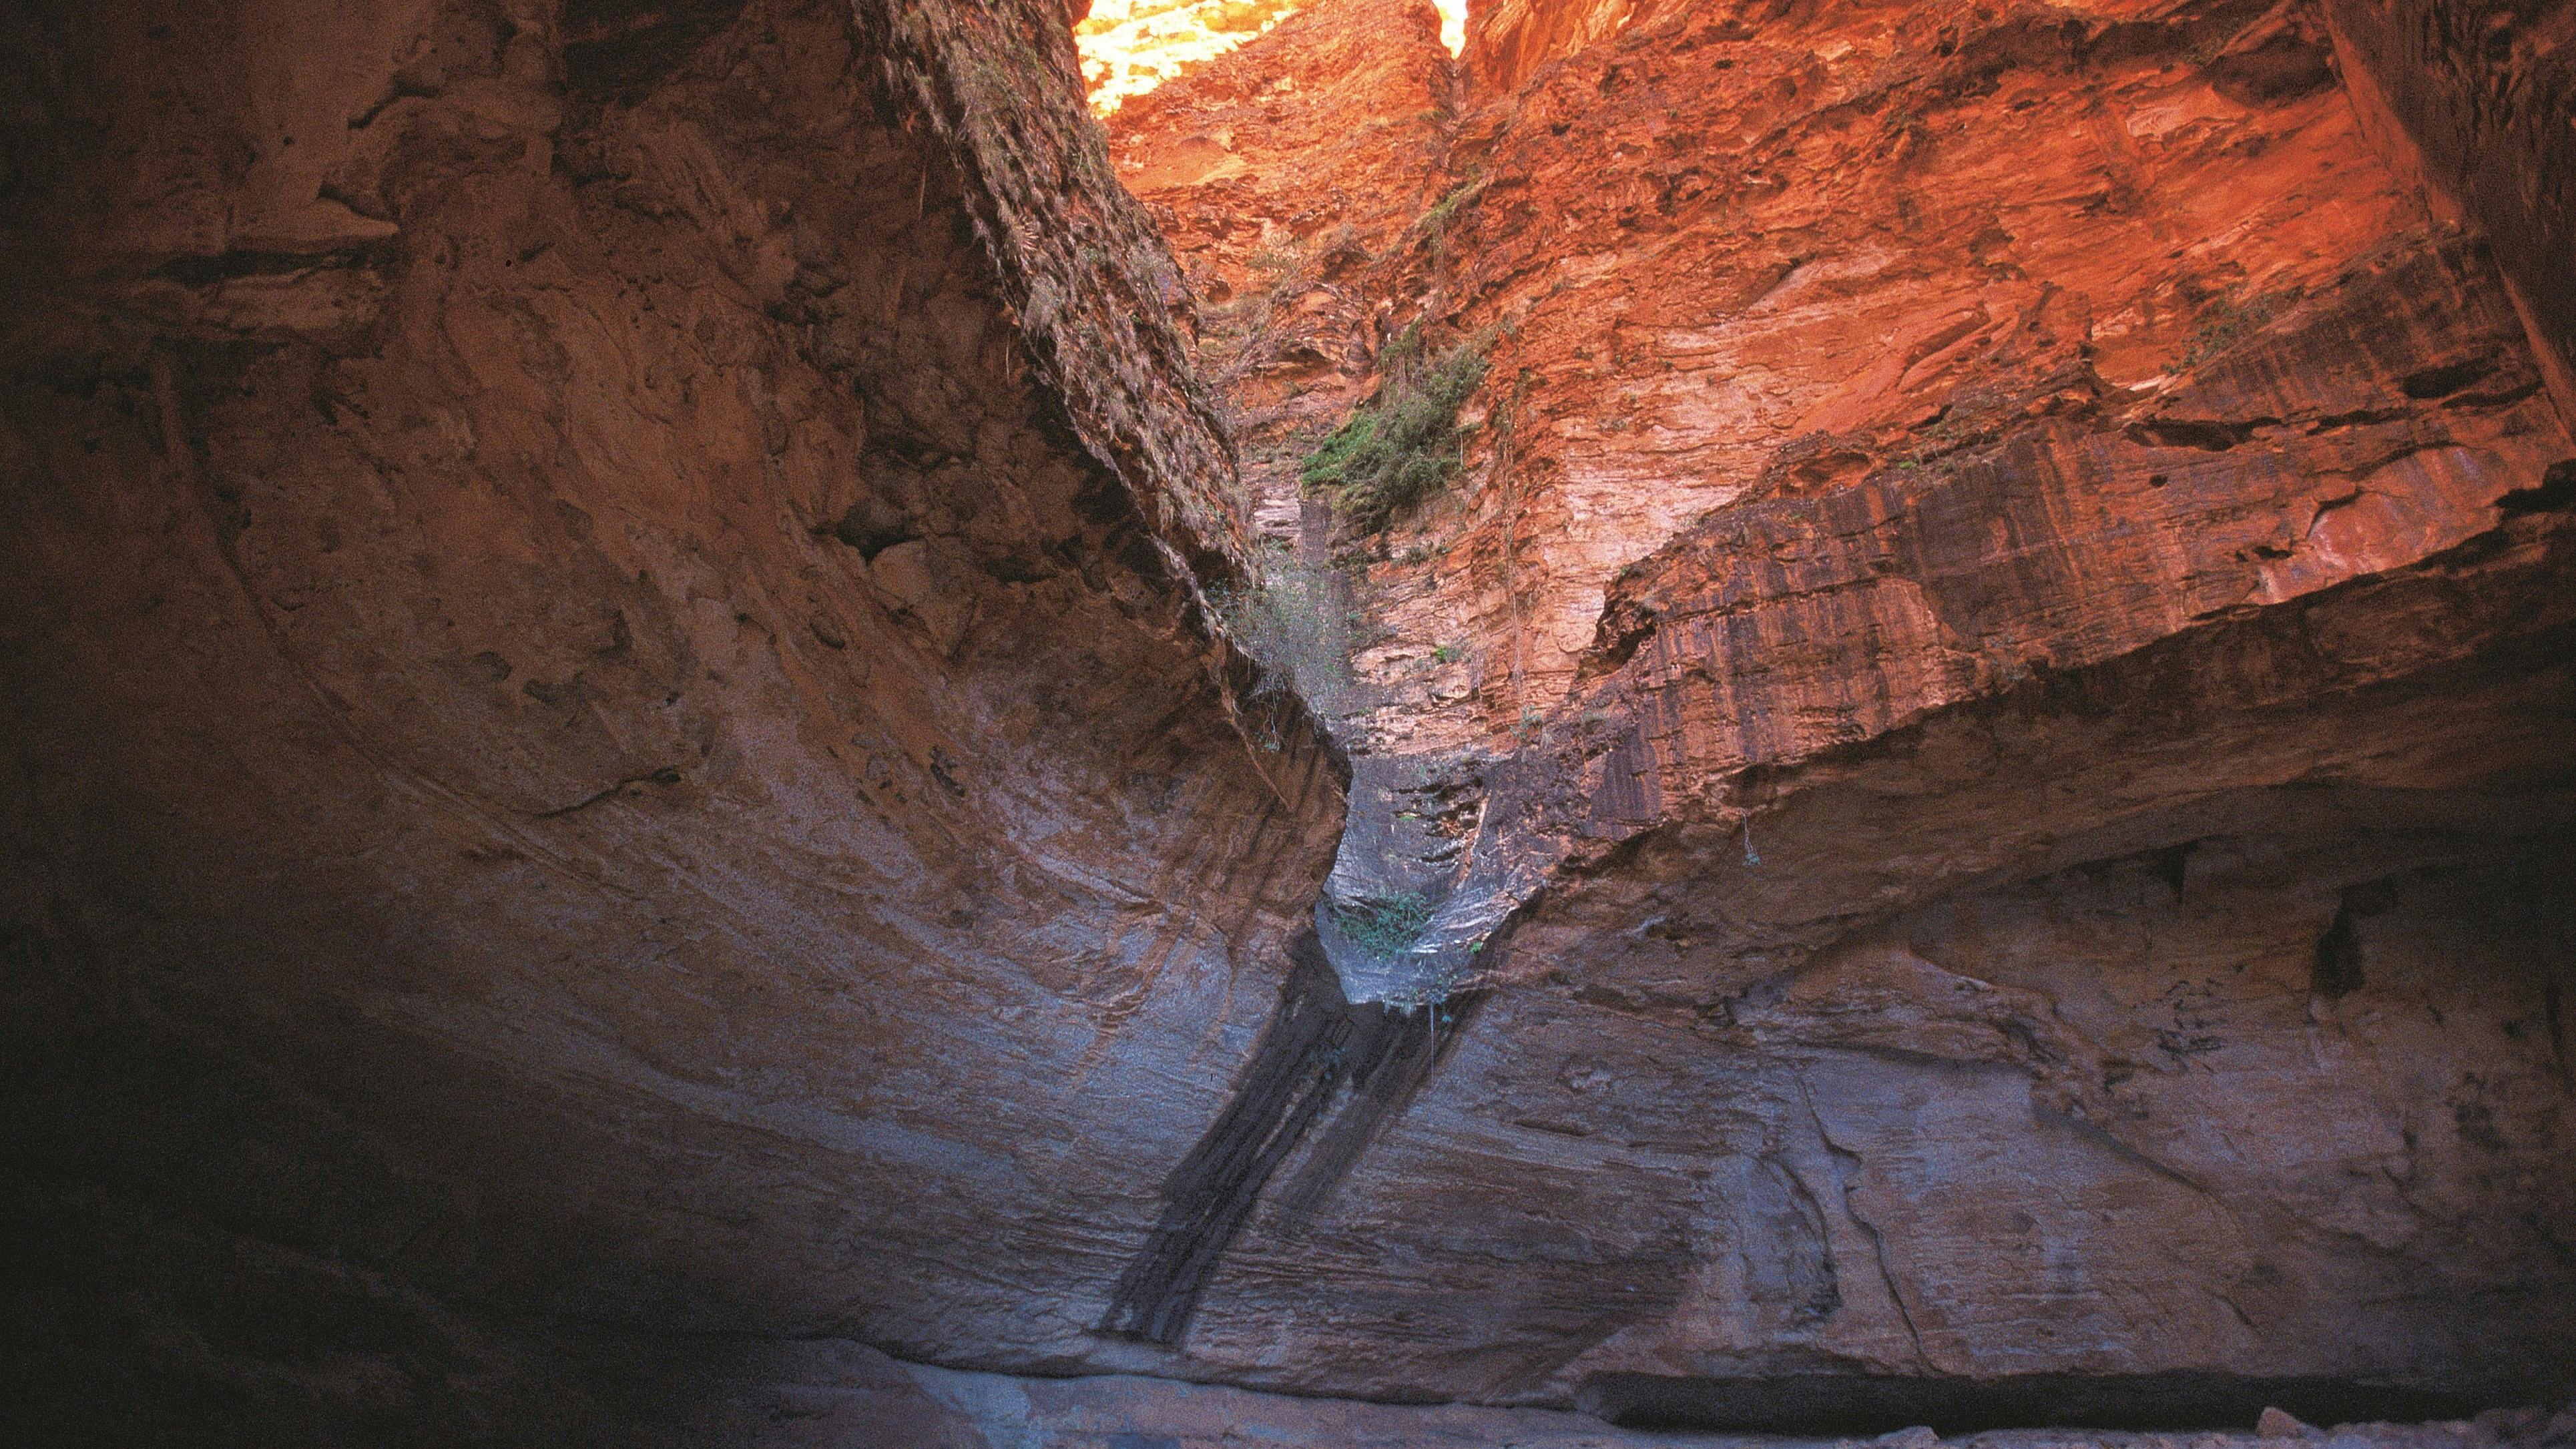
<point x="612" y="725"/>
<point x="1298" y="181"/>
<point x="2479" y="102"/>
<point x="1093" y="1413"/>
<point x="630" y="791"/>
<point x="2003" y="547"/>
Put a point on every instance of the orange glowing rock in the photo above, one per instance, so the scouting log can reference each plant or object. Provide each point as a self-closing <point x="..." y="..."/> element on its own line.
<point x="1129" y="47"/>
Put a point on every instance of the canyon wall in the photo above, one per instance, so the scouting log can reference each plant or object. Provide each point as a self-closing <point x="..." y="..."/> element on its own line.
<point x="1509" y="40"/>
<point x="612" y="719"/>
<point x="2479" y="103"/>
<point x="1292" y="180"/>
<point x="640" y="776"/>
<point x="2001" y="654"/>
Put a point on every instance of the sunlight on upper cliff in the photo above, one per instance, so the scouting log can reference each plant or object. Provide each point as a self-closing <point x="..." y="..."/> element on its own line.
<point x="1131" y="46"/>
<point x="1453" y="23"/>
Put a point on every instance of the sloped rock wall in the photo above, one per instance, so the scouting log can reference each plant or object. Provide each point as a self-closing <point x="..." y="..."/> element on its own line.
<point x="613" y="726"/>
<point x="1509" y="40"/>
<point x="1298" y="182"/>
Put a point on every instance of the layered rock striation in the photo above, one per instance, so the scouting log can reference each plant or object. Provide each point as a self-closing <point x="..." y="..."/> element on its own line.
<point x="652" y="757"/>
<point x="615" y="732"/>
<point x="1295" y="181"/>
<point x="2478" y="102"/>
<point x="1999" y="641"/>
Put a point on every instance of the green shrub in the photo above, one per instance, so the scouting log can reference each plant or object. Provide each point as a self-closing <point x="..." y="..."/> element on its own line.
<point x="1384" y="924"/>
<point x="1279" y="262"/>
<point x="1401" y="447"/>
<point x="1287" y="621"/>
<point x="1435" y="222"/>
<point x="2231" y="320"/>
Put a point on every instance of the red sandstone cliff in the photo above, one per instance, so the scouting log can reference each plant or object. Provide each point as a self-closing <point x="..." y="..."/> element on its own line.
<point x="1509" y="40"/>
<point x="2009" y="589"/>
<point x="1292" y="180"/>
<point x="2477" y="102"/>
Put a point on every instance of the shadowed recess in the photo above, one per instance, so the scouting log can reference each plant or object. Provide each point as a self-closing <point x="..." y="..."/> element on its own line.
<point x="1813" y="1404"/>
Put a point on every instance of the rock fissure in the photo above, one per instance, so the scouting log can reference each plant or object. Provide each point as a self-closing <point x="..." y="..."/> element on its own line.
<point x="1321" y="1059"/>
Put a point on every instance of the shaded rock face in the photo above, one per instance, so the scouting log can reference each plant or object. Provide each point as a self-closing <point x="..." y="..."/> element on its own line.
<point x="626" y="791"/>
<point x="2479" y="101"/>
<point x="1108" y="1412"/>
<point x="612" y="729"/>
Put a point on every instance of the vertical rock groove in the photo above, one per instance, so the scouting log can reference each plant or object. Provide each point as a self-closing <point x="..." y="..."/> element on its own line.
<point x="1320" y="1059"/>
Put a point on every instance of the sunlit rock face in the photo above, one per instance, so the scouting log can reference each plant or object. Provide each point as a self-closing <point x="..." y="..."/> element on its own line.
<point x="1508" y="40"/>
<point x="2008" y="556"/>
<point x="1129" y="47"/>
<point x="1292" y="183"/>
<point x="1962" y="218"/>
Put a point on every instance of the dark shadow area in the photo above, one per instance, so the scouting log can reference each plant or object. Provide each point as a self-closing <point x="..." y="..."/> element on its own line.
<point x="1821" y="1404"/>
<point x="205" y="1250"/>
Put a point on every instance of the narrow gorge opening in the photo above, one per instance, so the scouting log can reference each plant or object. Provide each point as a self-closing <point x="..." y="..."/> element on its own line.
<point x="1346" y="722"/>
